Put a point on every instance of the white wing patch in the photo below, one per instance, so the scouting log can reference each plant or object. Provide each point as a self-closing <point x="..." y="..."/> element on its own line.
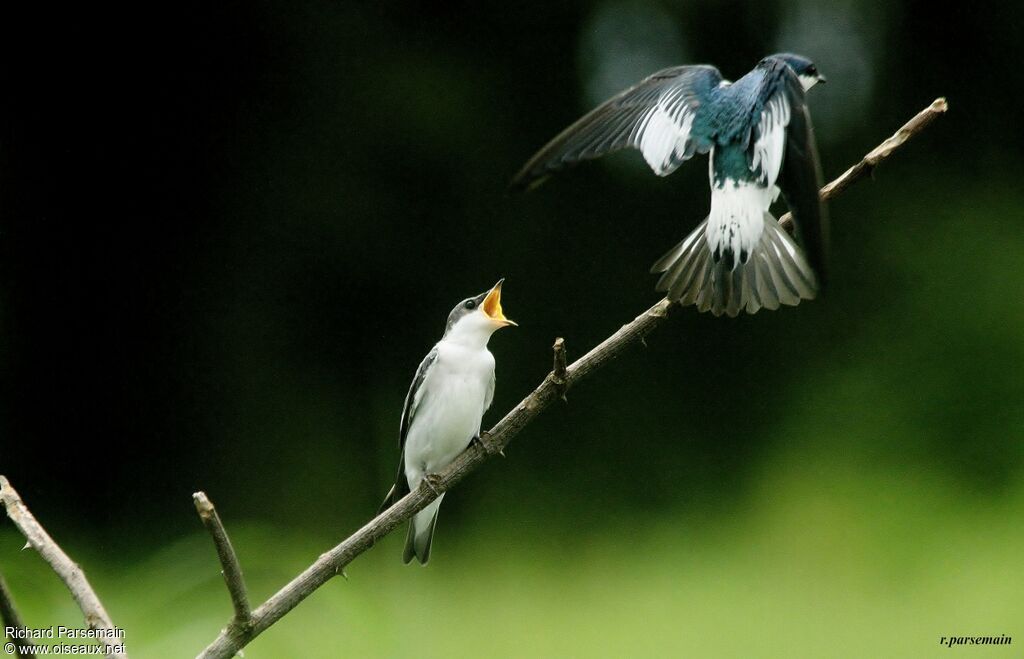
<point x="665" y="131"/>
<point x="771" y="142"/>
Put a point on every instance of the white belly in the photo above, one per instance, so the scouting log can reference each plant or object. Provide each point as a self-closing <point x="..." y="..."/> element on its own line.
<point x="449" y="413"/>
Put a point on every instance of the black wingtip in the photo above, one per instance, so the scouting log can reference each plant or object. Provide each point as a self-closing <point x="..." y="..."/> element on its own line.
<point x="409" y="552"/>
<point x="388" y="501"/>
<point x="515" y="187"/>
<point x="525" y="182"/>
<point x="394" y="494"/>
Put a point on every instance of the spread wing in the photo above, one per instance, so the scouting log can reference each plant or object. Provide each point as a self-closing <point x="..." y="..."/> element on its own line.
<point x="655" y="116"/>
<point x="412" y="401"/>
<point x="783" y="152"/>
<point x="801" y="181"/>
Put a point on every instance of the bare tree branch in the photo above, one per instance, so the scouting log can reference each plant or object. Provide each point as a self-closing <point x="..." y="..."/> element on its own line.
<point x="69" y="572"/>
<point x="331" y="563"/>
<point x="9" y="614"/>
<point x="868" y="163"/>
<point x="230" y="567"/>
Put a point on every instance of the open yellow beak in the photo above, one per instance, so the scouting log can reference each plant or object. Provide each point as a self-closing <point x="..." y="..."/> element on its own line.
<point x="492" y="306"/>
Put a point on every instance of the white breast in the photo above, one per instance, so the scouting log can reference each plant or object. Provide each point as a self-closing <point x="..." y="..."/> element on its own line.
<point x="449" y="413"/>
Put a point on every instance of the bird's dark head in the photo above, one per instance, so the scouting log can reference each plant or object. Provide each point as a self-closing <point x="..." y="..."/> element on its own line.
<point x="481" y="314"/>
<point x="804" y="68"/>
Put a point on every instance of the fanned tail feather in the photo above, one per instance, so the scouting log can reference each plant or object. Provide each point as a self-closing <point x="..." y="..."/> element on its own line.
<point x="775" y="273"/>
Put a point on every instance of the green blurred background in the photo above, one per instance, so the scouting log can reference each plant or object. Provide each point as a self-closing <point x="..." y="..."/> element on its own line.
<point x="229" y="233"/>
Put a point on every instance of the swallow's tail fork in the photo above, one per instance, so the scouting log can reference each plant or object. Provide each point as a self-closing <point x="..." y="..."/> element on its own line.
<point x="421" y="533"/>
<point x="774" y="273"/>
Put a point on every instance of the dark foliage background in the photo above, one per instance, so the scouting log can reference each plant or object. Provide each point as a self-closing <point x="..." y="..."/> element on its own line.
<point x="230" y="231"/>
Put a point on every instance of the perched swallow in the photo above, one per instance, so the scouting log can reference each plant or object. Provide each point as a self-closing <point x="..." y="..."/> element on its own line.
<point x="453" y="387"/>
<point x="758" y="133"/>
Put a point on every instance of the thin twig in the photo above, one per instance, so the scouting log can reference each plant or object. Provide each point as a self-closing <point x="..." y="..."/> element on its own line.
<point x="69" y="572"/>
<point x="230" y="567"/>
<point x="9" y="614"/>
<point x="868" y="163"/>
<point x="333" y="561"/>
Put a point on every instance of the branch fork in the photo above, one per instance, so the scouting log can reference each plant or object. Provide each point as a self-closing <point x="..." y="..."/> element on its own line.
<point x="230" y="567"/>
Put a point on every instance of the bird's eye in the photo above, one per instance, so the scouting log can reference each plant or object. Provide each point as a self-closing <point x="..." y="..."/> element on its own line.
<point x="813" y="70"/>
<point x="470" y="304"/>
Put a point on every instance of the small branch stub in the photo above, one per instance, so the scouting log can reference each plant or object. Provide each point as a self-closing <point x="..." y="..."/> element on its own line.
<point x="558" y="372"/>
<point x="230" y="567"/>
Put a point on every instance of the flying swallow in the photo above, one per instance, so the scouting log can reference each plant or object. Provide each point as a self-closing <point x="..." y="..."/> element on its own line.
<point x="758" y="134"/>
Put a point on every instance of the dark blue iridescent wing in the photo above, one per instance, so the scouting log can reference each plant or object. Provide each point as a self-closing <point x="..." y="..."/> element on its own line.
<point x="799" y="177"/>
<point x="655" y="116"/>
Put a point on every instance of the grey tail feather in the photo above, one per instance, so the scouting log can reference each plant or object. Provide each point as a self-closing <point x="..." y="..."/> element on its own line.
<point x="774" y="273"/>
<point x="417" y="545"/>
